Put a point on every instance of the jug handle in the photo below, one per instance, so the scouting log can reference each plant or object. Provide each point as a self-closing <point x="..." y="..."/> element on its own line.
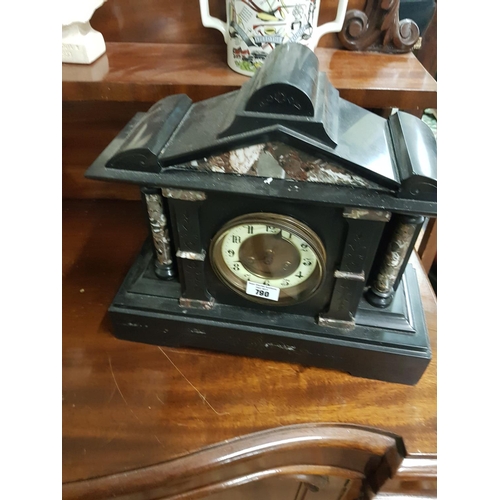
<point x="212" y="22"/>
<point x="332" y="27"/>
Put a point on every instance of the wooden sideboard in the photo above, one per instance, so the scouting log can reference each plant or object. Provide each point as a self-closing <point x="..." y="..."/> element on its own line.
<point x="144" y="422"/>
<point x="140" y="421"/>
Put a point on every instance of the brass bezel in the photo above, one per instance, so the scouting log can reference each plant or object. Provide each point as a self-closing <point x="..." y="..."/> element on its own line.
<point x="292" y="295"/>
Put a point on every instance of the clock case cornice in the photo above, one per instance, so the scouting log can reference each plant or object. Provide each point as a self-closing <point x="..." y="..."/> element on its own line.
<point x="287" y="101"/>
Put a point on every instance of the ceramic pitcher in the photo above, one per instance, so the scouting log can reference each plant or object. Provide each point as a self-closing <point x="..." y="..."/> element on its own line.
<point x="255" y="27"/>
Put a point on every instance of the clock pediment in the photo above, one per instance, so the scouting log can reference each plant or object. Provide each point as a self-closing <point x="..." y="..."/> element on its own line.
<point x="277" y="160"/>
<point x="287" y="122"/>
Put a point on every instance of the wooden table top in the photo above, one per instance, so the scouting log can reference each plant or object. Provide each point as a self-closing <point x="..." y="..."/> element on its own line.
<point x="147" y="72"/>
<point x="128" y="405"/>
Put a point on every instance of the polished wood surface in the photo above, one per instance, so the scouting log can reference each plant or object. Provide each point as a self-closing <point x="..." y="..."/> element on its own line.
<point x="427" y="249"/>
<point x="310" y="453"/>
<point x="427" y="54"/>
<point x="87" y="128"/>
<point x="147" y="72"/>
<point x="128" y="405"/>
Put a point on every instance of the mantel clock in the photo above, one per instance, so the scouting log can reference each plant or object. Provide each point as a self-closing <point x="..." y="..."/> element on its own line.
<point x="282" y="219"/>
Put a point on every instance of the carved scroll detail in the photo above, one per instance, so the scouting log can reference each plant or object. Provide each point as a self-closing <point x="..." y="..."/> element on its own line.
<point x="378" y="28"/>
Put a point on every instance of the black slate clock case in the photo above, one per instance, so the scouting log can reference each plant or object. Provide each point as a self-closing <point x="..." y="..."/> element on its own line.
<point x="286" y="144"/>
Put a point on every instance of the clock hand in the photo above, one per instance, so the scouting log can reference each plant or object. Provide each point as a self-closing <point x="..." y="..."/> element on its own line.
<point x="275" y="238"/>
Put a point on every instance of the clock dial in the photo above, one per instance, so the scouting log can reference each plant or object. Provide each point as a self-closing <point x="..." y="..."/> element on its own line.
<point x="269" y="257"/>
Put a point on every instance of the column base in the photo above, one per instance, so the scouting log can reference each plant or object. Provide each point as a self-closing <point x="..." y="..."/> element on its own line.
<point x="164" y="272"/>
<point x="378" y="299"/>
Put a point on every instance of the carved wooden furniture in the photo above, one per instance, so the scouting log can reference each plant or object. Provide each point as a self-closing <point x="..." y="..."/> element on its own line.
<point x="337" y="460"/>
<point x="136" y="416"/>
<point x="377" y="27"/>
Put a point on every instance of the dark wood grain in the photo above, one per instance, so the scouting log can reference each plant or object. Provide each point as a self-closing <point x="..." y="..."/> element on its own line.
<point x="128" y="405"/>
<point x="147" y="72"/>
<point x="87" y="128"/>
<point x="427" y="54"/>
<point x="307" y="452"/>
<point x="427" y="249"/>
